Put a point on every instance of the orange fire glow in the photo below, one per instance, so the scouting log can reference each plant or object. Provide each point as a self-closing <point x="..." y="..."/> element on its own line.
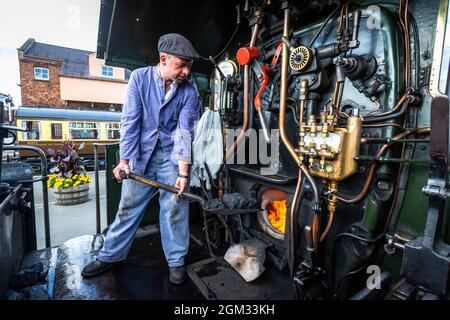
<point x="276" y="214"/>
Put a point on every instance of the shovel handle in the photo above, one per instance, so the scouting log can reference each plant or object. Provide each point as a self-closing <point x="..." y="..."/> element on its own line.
<point x="159" y="185"/>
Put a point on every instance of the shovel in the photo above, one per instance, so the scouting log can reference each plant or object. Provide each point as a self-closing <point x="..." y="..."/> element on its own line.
<point x="188" y="195"/>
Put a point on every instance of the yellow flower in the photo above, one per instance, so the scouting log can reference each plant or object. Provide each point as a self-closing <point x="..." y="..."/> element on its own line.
<point x="66" y="185"/>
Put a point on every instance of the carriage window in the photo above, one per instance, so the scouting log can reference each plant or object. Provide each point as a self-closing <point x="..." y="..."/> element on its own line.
<point x="84" y="130"/>
<point x="113" y="130"/>
<point x="32" y="132"/>
<point x="56" y="131"/>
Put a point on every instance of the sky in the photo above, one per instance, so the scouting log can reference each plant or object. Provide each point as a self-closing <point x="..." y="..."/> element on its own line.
<point x="67" y="23"/>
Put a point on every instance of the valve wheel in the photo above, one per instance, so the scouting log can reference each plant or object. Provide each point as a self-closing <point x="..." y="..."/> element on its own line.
<point x="300" y="58"/>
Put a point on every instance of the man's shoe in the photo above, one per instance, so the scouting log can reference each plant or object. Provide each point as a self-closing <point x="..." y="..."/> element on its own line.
<point x="177" y="275"/>
<point x="96" y="267"/>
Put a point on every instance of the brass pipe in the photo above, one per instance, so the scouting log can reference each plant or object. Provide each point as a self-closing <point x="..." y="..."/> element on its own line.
<point x="241" y="135"/>
<point x="332" y="187"/>
<point x="373" y="166"/>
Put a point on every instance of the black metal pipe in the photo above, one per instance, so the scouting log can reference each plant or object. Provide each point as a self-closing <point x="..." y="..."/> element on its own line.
<point x="44" y="177"/>
<point x="97" y="189"/>
<point x="330" y="16"/>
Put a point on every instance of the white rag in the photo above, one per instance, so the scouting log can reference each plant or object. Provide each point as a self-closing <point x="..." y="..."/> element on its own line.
<point x="207" y="148"/>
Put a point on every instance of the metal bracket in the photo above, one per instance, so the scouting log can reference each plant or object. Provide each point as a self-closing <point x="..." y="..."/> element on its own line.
<point x="436" y="192"/>
<point x="424" y="76"/>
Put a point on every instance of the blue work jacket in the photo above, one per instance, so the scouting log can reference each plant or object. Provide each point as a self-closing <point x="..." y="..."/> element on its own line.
<point x="147" y="116"/>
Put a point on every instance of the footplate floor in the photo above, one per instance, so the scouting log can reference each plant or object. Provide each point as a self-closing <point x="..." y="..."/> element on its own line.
<point x="217" y="280"/>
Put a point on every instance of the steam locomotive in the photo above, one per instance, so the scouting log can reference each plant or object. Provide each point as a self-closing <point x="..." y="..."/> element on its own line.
<point x="335" y="124"/>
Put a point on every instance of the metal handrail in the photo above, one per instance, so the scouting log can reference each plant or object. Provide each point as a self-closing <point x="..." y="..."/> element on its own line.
<point x="10" y="197"/>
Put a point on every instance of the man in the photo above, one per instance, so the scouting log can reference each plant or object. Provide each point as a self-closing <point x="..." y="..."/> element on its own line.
<point x="157" y="132"/>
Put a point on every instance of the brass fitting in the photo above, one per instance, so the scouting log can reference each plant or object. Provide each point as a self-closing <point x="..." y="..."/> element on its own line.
<point x="303" y="89"/>
<point x="332" y="199"/>
<point x="341" y="163"/>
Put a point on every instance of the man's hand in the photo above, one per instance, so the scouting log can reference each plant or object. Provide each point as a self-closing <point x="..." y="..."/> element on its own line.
<point x="122" y="166"/>
<point x="181" y="184"/>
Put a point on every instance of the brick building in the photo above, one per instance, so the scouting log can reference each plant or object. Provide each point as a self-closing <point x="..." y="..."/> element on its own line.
<point x="59" y="77"/>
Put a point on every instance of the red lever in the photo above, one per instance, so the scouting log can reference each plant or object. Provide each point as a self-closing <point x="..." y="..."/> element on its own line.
<point x="263" y="80"/>
<point x="276" y="55"/>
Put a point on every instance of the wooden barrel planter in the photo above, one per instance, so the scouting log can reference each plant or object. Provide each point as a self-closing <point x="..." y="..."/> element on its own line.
<point x="72" y="195"/>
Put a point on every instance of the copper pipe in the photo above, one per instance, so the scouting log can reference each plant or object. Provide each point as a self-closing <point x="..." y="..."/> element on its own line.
<point x="301" y="106"/>
<point x="400" y="102"/>
<point x="346" y="16"/>
<point x="404" y="24"/>
<point x="373" y="166"/>
<point x="340" y="19"/>
<point x="292" y="220"/>
<point x="283" y="96"/>
<point x="337" y="95"/>
<point x="407" y="48"/>
<point x="283" y="89"/>
<point x="241" y="135"/>
<point x="329" y="224"/>
<point x="315" y="231"/>
<point x="254" y="35"/>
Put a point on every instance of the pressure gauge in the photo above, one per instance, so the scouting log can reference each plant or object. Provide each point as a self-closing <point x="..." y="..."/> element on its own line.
<point x="227" y="67"/>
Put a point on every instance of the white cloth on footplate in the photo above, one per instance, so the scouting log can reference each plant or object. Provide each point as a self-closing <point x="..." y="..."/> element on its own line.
<point x="207" y="148"/>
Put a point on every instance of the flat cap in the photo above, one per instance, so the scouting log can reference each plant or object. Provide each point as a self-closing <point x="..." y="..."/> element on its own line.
<point x="176" y="44"/>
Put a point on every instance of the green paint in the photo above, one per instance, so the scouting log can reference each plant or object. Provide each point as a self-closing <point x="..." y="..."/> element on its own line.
<point x="114" y="190"/>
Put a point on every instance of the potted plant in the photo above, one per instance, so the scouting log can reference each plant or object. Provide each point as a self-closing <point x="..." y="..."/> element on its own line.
<point x="68" y="178"/>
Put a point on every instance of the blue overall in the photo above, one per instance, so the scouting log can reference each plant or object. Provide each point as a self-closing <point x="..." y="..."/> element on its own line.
<point x="157" y="131"/>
